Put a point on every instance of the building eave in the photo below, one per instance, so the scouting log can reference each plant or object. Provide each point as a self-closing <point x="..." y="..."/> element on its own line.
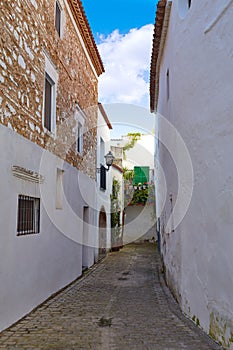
<point x="104" y="114"/>
<point x="118" y="168"/>
<point x="159" y="38"/>
<point x="86" y="33"/>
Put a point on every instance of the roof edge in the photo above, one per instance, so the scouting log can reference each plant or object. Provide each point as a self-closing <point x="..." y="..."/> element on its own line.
<point x="81" y="20"/>
<point x="158" y="27"/>
<point x="104" y="114"/>
<point x="117" y="167"/>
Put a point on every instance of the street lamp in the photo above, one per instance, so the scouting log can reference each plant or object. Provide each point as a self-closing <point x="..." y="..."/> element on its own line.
<point x="109" y="159"/>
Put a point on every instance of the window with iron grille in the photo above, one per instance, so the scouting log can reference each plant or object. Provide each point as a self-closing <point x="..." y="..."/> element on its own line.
<point x="102" y="177"/>
<point x="28" y="215"/>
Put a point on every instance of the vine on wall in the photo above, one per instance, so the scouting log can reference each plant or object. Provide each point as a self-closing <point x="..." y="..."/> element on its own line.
<point x="116" y="227"/>
<point x="133" y="138"/>
<point x="128" y="174"/>
<point x="115" y="204"/>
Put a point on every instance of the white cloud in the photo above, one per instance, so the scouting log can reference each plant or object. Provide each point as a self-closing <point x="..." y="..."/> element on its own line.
<point x="126" y="59"/>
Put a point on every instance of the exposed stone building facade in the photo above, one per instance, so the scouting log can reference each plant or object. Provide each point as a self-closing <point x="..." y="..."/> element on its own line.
<point x="49" y="68"/>
<point x="30" y="44"/>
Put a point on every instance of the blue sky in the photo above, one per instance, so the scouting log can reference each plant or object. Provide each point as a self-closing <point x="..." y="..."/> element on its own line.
<point x="106" y="16"/>
<point x="123" y="30"/>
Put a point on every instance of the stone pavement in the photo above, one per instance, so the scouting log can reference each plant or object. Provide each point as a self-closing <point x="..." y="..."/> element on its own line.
<point x="120" y="304"/>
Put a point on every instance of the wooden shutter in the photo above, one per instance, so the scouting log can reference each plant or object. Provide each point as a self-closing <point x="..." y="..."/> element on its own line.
<point x="102" y="177"/>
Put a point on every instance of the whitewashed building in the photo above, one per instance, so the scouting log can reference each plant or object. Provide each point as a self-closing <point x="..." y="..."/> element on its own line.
<point x="139" y="223"/>
<point x="49" y="69"/>
<point x="191" y="89"/>
<point x="104" y="185"/>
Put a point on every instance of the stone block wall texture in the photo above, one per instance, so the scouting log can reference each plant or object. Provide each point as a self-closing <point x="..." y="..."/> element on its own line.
<point x="27" y="32"/>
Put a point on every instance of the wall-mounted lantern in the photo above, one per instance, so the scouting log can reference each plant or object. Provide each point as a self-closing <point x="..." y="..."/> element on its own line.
<point x="109" y="159"/>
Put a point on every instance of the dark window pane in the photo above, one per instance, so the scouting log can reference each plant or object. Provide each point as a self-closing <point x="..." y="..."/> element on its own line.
<point x="79" y="139"/>
<point x="102" y="177"/>
<point x="28" y="215"/>
<point x="58" y="19"/>
<point x="48" y="104"/>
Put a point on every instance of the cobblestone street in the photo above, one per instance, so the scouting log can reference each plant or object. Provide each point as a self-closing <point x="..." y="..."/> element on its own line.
<point x="121" y="303"/>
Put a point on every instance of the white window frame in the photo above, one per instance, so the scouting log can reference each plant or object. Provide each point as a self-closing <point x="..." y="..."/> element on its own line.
<point x="80" y="121"/>
<point x="52" y="75"/>
<point x="62" y="19"/>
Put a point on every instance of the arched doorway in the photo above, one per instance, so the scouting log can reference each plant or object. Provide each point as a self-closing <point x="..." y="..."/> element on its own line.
<point x="102" y="233"/>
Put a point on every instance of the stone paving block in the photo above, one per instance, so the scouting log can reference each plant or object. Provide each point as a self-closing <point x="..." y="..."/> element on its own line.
<point x="120" y="304"/>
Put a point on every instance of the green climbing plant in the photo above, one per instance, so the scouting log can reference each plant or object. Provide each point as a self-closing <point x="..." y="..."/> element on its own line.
<point x="128" y="174"/>
<point x="115" y="204"/>
<point x="133" y="138"/>
<point x="140" y="196"/>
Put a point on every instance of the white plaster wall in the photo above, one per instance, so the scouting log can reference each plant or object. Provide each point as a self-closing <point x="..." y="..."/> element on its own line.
<point x="142" y="154"/>
<point x="103" y="197"/>
<point x="139" y="223"/>
<point x="33" y="267"/>
<point x="198" y="254"/>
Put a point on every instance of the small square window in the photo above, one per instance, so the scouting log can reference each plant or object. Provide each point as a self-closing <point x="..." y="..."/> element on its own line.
<point x="58" y="18"/>
<point x="28" y="215"/>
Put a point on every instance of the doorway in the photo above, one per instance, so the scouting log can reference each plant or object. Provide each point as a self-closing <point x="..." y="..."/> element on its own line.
<point x="102" y="233"/>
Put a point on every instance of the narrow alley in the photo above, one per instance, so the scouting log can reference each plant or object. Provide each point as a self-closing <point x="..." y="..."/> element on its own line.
<point x="120" y="303"/>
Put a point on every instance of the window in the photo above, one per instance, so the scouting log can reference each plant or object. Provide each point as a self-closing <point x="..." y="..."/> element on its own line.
<point x="168" y="85"/>
<point x="80" y="121"/>
<point x="184" y="6"/>
<point x="59" y="189"/>
<point x="79" y="142"/>
<point x="102" y="177"/>
<point x="48" y="102"/>
<point x="50" y="85"/>
<point x="58" y="18"/>
<point x="28" y="215"/>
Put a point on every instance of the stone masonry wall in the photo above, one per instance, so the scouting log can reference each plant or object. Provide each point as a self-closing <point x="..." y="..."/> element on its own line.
<point x="27" y="31"/>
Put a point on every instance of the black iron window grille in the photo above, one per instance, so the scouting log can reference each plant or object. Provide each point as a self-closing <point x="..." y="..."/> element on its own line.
<point x="28" y="215"/>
